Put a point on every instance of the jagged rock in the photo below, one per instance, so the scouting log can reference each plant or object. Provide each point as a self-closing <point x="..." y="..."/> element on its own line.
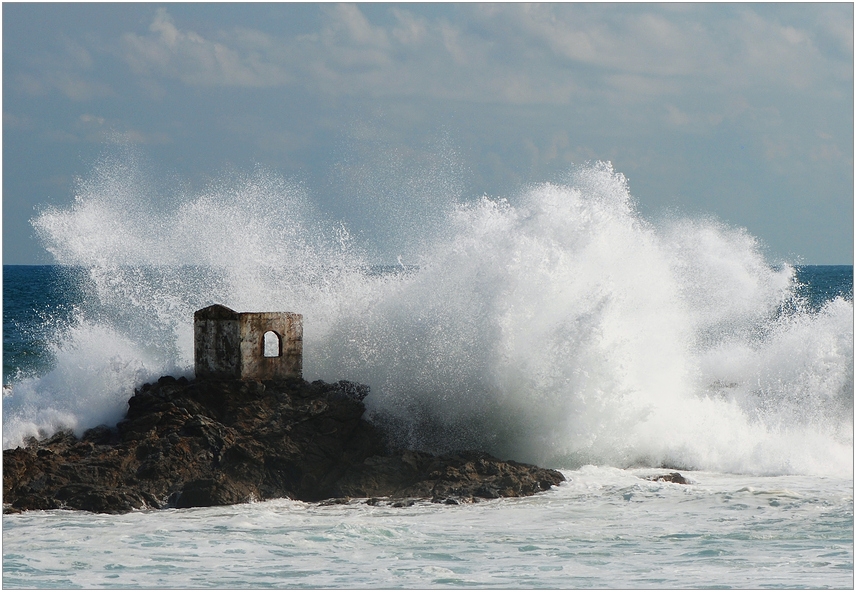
<point x="221" y="441"/>
<point x="671" y="477"/>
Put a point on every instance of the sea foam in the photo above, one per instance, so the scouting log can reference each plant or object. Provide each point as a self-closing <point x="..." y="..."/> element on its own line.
<point x="557" y="326"/>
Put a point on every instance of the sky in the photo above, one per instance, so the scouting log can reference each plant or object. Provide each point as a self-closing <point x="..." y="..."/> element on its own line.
<point x="742" y="112"/>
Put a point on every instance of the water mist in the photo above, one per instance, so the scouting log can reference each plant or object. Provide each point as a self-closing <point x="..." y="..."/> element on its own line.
<point x="557" y="326"/>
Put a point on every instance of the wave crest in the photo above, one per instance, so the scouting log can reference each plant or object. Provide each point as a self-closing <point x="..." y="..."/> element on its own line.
<point x="557" y="327"/>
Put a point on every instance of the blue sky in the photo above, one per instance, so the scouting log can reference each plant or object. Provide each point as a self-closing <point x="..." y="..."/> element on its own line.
<point x="738" y="111"/>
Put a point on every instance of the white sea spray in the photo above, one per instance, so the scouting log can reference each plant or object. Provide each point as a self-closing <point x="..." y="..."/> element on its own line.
<point x="556" y="326"/>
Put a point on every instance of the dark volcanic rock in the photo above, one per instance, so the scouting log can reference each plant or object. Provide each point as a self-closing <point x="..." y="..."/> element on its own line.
<point x="671" y="477"/>
<point x="217" y="442"/>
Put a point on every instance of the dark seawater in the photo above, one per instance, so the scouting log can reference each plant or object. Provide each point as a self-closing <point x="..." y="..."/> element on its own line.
<point x="38" y="300"/>
<point x="821" y="283"/>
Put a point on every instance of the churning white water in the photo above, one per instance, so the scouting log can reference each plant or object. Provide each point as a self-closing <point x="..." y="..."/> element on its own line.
<point x="556" y="326"/>
<point x="604" y="528"/>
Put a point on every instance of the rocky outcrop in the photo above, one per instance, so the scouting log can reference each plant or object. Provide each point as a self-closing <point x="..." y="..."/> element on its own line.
<point x="217" y="442"/>
<point x="671" y="478"/>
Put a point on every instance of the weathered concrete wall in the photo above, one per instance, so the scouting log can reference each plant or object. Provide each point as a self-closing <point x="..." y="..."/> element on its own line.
<point x="216" y="339"/>
<point x="231" y="345"/>
<point x="289" y="327"/>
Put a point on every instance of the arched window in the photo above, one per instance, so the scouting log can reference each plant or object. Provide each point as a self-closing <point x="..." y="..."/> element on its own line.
<point x="273" y="344"/>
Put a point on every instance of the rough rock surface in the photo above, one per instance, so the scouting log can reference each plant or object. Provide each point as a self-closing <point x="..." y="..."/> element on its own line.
<point x="671" y="478"/>
<point x="217" y="442"/>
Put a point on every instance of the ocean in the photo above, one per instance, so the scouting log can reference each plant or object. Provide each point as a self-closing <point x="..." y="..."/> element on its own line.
<point x="558" y="327"/>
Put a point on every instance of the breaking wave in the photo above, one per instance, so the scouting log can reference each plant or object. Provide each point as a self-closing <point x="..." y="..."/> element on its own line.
<point x="557" y="327"/>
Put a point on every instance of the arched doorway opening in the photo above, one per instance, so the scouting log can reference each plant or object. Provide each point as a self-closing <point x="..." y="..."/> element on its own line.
<point x="272" y="344"/>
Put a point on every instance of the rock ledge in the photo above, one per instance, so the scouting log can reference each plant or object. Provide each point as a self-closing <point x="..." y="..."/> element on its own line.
<point x="218" y="442"/>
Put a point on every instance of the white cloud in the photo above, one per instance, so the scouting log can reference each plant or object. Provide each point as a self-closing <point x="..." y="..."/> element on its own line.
<point x="524" y="88"/>
<point x="88" y="119"/>
<point x="509" y="53"/>
<point x="348" y="23"/>
<point x="183" y="54"/>
<point x="410" y="29"/>
<point x="70" y="71"/>
<point x="676" y="116"/>
<point x="73" y="86"/>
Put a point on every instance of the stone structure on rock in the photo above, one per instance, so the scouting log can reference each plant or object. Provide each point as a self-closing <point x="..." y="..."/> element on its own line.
<point x="247" y="345"/>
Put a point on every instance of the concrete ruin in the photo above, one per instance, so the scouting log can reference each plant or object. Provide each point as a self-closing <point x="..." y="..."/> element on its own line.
<point x="247" y="345"/>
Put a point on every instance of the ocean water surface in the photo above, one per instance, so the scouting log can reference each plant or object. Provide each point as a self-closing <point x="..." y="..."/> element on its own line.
<point x="557" y="327"/>
<point x="605" y="528"/>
